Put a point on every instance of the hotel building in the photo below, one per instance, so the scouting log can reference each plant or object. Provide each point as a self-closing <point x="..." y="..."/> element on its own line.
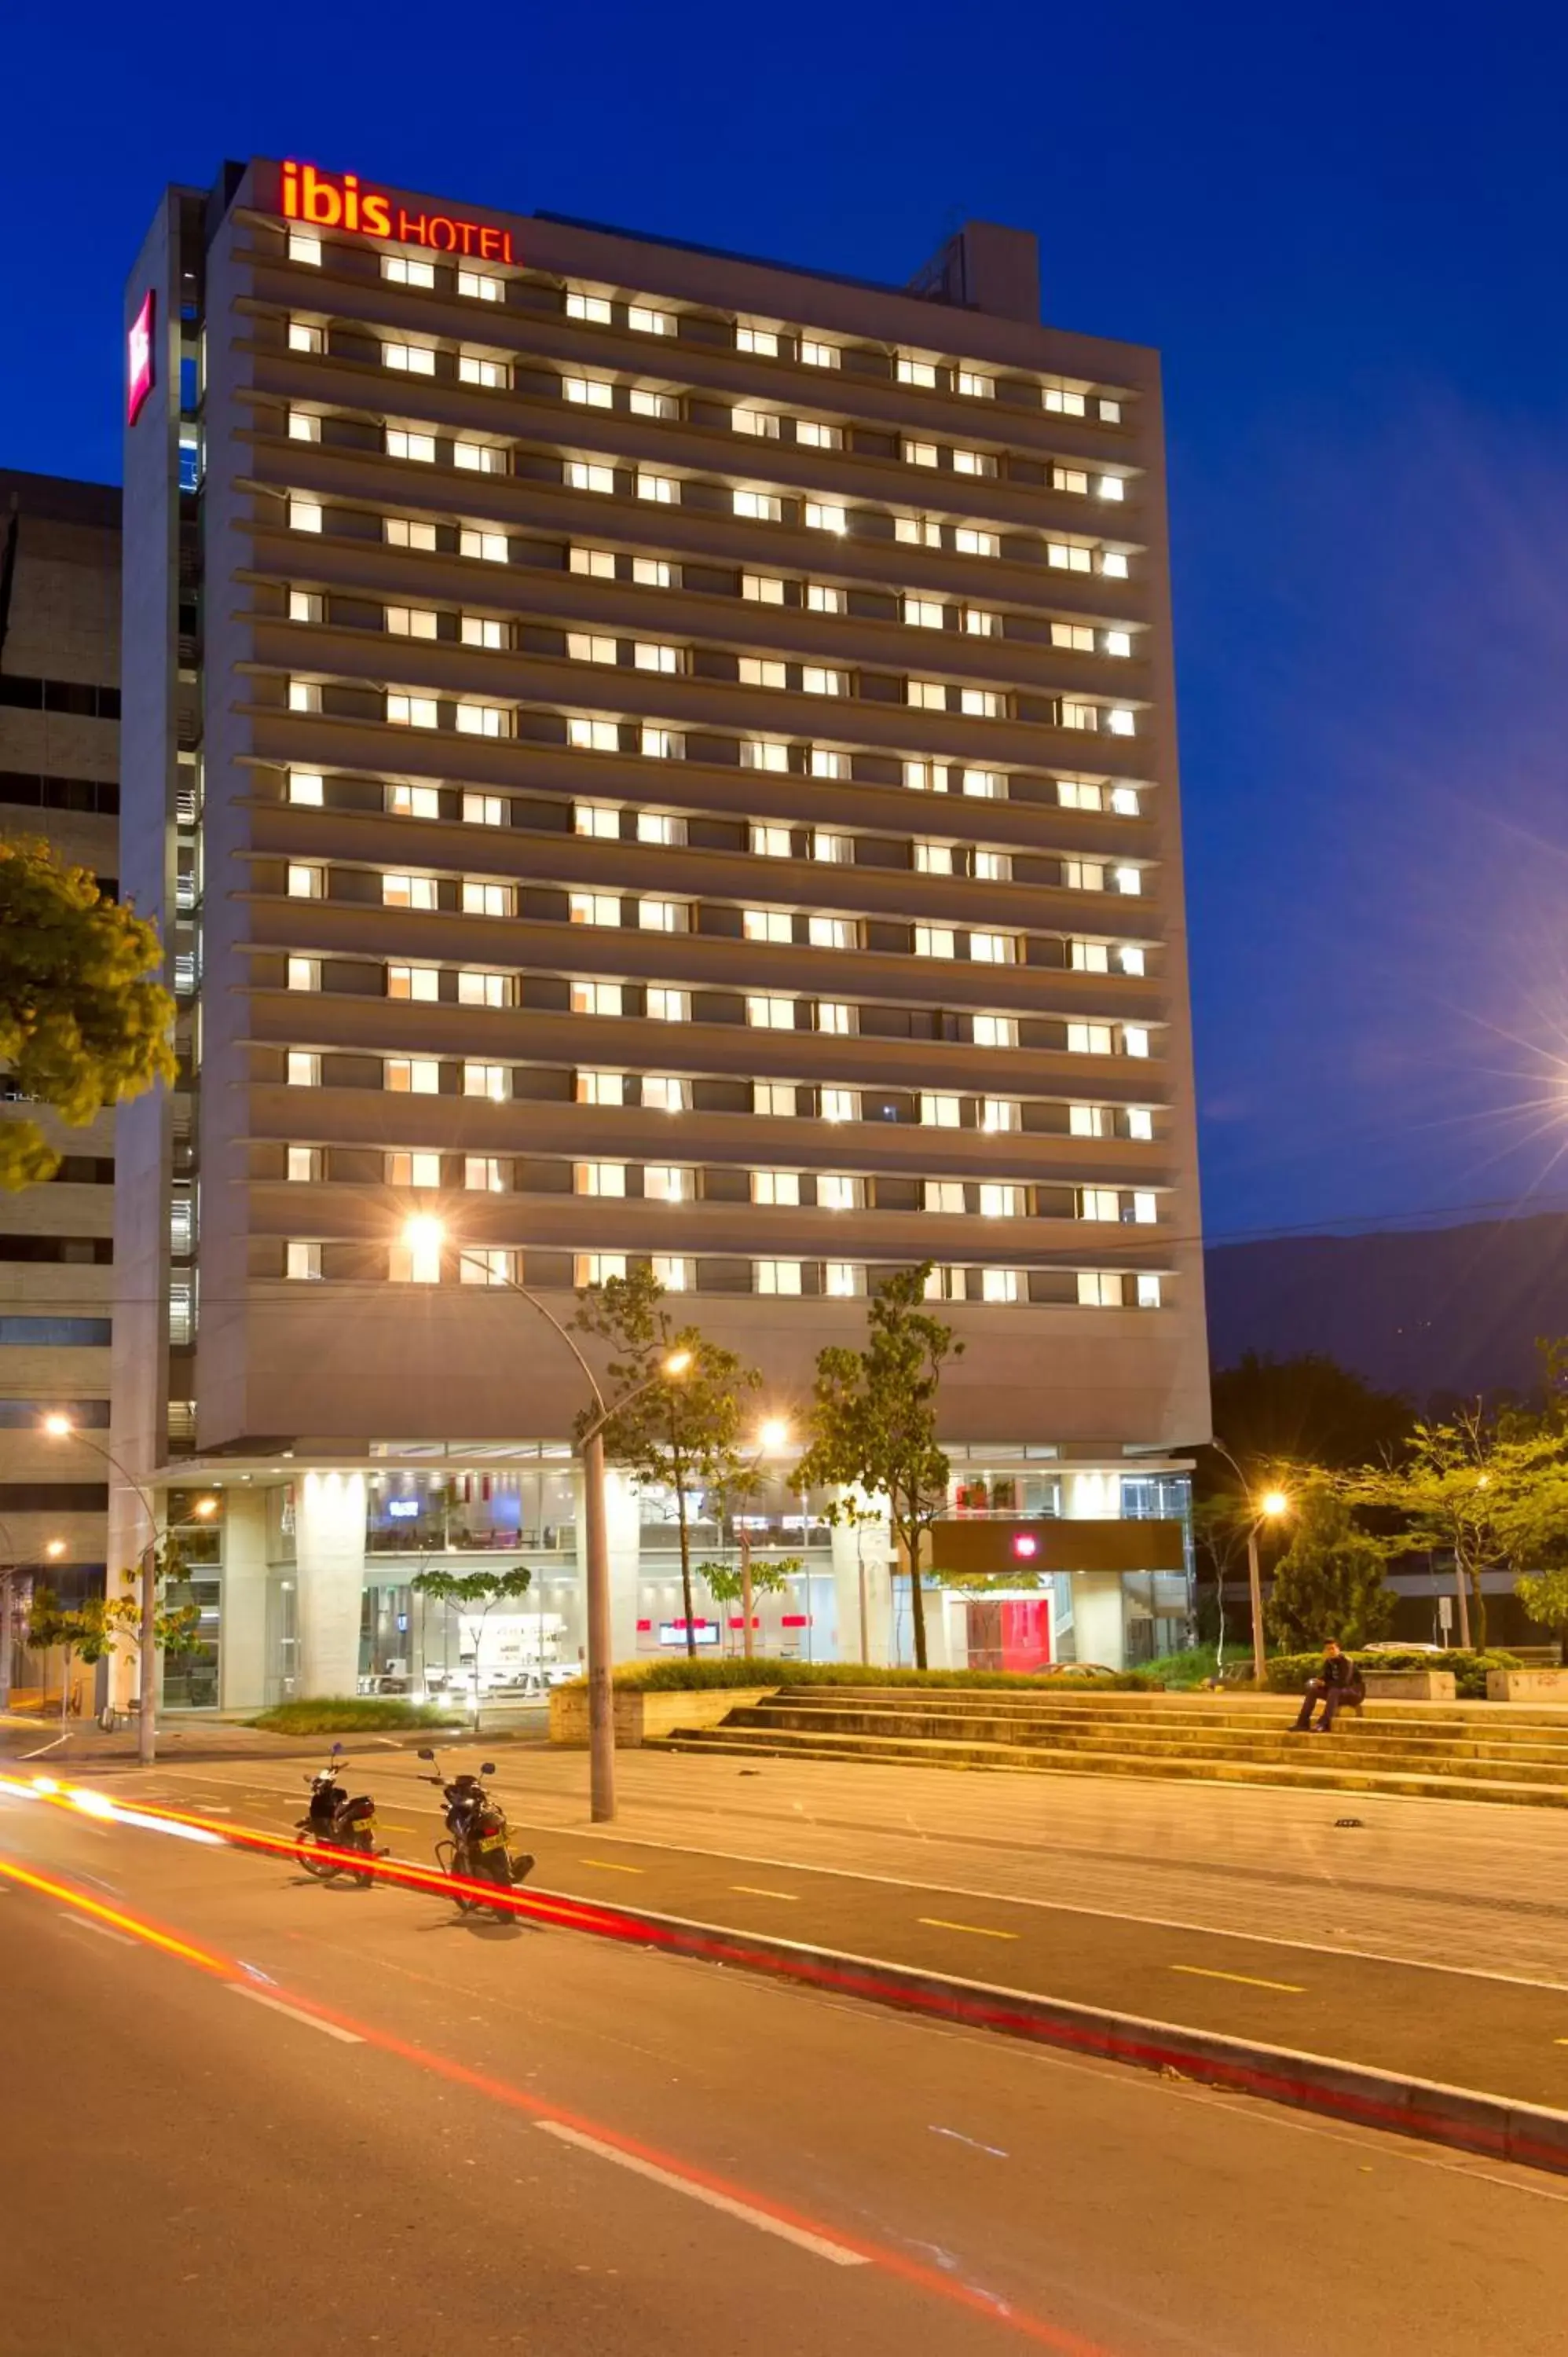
<point x="639" y="754"/>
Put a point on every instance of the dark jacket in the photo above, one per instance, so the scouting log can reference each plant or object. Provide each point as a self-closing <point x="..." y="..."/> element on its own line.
<point x="1339" y="1670"/>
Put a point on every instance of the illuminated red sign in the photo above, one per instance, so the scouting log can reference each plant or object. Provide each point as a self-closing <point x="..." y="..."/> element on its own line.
<point x="1025" y="1543"/>
<point x="139" y="360"/>
<point x="327" y="202"/>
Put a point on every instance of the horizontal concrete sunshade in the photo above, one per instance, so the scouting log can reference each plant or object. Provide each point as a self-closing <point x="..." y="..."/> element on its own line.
<point x="1047" y="1543"/>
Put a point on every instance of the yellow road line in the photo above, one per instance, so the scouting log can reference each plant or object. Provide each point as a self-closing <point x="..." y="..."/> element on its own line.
<point x="981" y="1931"/>
<point x="755" y="1890"/>
<point x="1202" y="1973"/>
<point x="609" y="1865"/>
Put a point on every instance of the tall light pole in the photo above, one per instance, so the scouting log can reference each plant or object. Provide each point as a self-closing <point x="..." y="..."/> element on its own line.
<point x="61" y="1428"/>
<point x="1267" y="1508"/>
<point x="772" y="1438"/>
<point x="424" y="1234"/>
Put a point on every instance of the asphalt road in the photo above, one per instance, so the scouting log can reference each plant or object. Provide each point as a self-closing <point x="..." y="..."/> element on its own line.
<point x="244" y="2111"/>
<point x="1502" y="2033"/>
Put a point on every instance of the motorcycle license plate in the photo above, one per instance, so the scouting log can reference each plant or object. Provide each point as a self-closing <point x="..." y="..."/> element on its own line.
<point x="489" y="1841"/>
<point x="364" y="1825"/>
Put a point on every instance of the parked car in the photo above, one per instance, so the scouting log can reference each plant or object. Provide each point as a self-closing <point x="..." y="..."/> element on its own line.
<point x="1387" y="1645"/>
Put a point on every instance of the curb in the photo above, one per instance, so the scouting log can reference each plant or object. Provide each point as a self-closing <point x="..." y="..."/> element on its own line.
<point x="1358" y="2094"/>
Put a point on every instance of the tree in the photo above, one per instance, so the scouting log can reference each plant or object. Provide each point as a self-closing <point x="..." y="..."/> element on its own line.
<point x="475" y="1592"/>
<point x="1329" y="1581"/>
<point x="1308" y="1411"/>
<point x="80" y="1631"/>
<point x="681" y="1430"/>
<point x="727" y="1582"/>
<point x="83" y="1021"/>
<point x="874" y="1422"/>
<point x="1445" y="1493"/>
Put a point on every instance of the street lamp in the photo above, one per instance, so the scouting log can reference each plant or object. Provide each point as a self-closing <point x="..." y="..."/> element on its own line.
<point x="61" y="1428"/>
<point x="1268" y="1508"/>
<point x="773" y="1435"/>
<point x="424" y="1235"/>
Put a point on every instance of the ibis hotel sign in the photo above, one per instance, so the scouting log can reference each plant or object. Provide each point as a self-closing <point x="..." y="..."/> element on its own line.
<point x="340" y="200"/>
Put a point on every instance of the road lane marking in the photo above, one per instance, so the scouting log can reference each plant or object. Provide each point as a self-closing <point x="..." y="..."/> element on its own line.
<point x="608" y="1866"/>
<point x="296" y="2013"/>
<point x="837" y="2253"/>
<point x="1204" y="1973"/>
<point x="981" y="1931"/>
<point x="756" y="1890"/>
<point x="121" y="1939"/>
<point x="397" y="1829"/>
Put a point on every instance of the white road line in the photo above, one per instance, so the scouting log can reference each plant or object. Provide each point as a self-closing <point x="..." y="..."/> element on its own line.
<point x="818" y="2244"/>
<point x="296" y="2013"/>
<point x="121" y="1939"/>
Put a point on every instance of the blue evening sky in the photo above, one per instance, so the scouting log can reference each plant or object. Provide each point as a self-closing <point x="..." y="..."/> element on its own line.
<point x="1343" y="225"/>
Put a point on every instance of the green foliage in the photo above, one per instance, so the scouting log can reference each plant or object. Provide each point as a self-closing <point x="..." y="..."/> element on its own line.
<point x="675" y="1430"/>
<point x="1192" y="1667"/>
<point x="83" y="1021"/>
<point x="1329" y="1581"/>
<point x="680" y="1673"/>
<point x="474" y="1590"/>
<point x="176" y="1628"/>
<point x="1273" y="1413"/>
<point x="874" y="1422"/>
<point x="351" y="1714"/>
<point x="770" y="1574"/>
<point x="1544" y="1595"/>
<point x="82" y="1630"/>
<point x="1288" y="1673"/>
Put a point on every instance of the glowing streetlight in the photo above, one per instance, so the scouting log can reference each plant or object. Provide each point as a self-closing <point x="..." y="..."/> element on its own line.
<point x="1273" y="1504"/>
<point x="677" y="1362"/>
<point x="774" y="1434"/>
<point x="58" y="1427"/>
<point x="55" y="1548"/>
<point x="205" y="1506"/>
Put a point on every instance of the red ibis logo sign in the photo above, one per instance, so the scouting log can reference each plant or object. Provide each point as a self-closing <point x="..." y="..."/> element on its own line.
<point x="139" y="360"/>
<point x="338" y="201"/>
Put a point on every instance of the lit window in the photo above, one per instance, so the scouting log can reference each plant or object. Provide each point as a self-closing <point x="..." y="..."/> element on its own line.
<point x="1145" y="1208"/>
<point x="760" y="753"/>
<point x="920" y="372"/>
<point x="771" y="842"/>
<point x="973" y="462"/>
<point x="304" y="973"/>
<point x="1068" y="556"/>
<point x="305" y="515"/>
<point x="827" y="764"/>
<point x="661" y="916"/>
<point x="815" y="354"/>
<point x="999" y="1285"/>
<point x="760" y="671"/>
<point x="599" y="1177"/>
<point x="408" y="892"/>
<point x="305" y="883"/>
<point x="305" y="786"/>
<point x="486" y="1080"/>
<point x="479" y="457"/>
<point x="579" y="475"/>
<point x="918" y="531"/>
<point x="413" y="802"/>
<point x="1083" y="874"/>
<point x="482" y="630"/>
<point x="919" y="453"/>
<point x="926" y="776"/>
<point x="816" y="681"/>
<point x="1099" y="1288"/>
<point x="1061" y="402"/>
<point x="1110" y="412"/>
<point x="653" y="571"/>
<point x="598" y="1268"/>
<point x="839" y="1104"/>
<point x="1140" y="1123"/>
<point x="303" y="247"/>
<point x="1111" y="486"/>
<point x="1127" y="880"/>
<point x="410" y="711"/>
<point x="976" y="387"/>
<point x="768" y="925"/>
<point x="776" y="1276"/>
<point x="995" y="1031"/>
<point x="601" y="1088"/>
<point x="475" y="989"/>
<point x="643" y="321"/>
<point x="832" y="932"/>
<point x="1121" y="722"/>
<point x="813" y="434"/>
<point x="835" y="1016"/>
<point x="924" y="613"/>
<point x="968" y="542"/>
<point x="412" y="981"/>
<point x="834" y="849"/>
<point x="762" y="507"/>
<point x="934" y="859"/>
<point x="662" y="1093"/>
<point x="1129" y="958"/>
<point x="673" y="1273"/>
<point x="1077" y="795"/>
<point x="939" y="1112"/>
<point x="647" y="655"/>
<point x="418" y="1076"/>
<point x="1148" y="1292"/>
<point x="838" y="1192"/>
<point x="412" y="622"/>
<point x="594" y="735"/>
<point x="763" y="341"/>
<point x="402" y="532"/>
<point x="597" y="819"/>
<point x="993" y="949"/>
<point x="1089" y="1121"/>
<point x="483" y="1174"/>
<point x="984" y="703"/>
<point x="403" y="445"/>
<point x="822" y="598"/>
<point x="1077" y="635"/>
<point x="415" y="1263"/>
<point x="473" y="367"/>
<point x="484" y="810"/>
<point x="659" y="488"/>
<point x="1090" y="957"/>
<point x="480" y="288"/>
<point x="998" y="1114"/>
<point x="823" y="516"/>
<point x="303" y="426"/>
<point x="934" y="940"/>
<point x="413" y="1170"/>
<point x="663" y="744"/>
<point x="413" y="360"/>
<point x="1001" y="1202"/>
<point x="660" y="826"/>
<point x="943" y="1195"/>
<point x="400" y="271"/>
<point x="761" y="422"/>
<point x="595" y="998"/>
<point x="593" y="307"/>
<point x="771" y="1014"/>
<point x="485" y="1265"/>
<point x="594" y="907"/>
<point x="489" y="545"/>
<point x="304" y="695"/>
<point x="763" y="588"/>
<point x="1134" y="1039"/>
<point x="926" y="694"/>
<point x="776" y="1097"/>
<point x="653" y="404"/>
<point x="302" y="1069"/>
<point x="1099" y="1203"/>
<point x="1075" y="714"/>
<point x="666" y="1183"/>
<point x="842" y="1279"/>
<point x="481" y="899"/>
<point x="591" y="391"/>
<point x="1118" y="643"/>
<point x="302" y="1260"/>
<point x="304" y="1163"/>
<point x="583" y="646"/>
<point x="666" y="1005"/>
<point x="1089" y="1039"/>
<point x="993" y="867"/>
<point x="597" y="562"/>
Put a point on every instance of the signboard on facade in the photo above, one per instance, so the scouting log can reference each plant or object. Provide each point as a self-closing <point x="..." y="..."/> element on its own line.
<point x="139" y="357"/>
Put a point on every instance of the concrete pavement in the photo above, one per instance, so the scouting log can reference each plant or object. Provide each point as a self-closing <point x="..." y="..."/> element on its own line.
<point x="504" y="2138"/>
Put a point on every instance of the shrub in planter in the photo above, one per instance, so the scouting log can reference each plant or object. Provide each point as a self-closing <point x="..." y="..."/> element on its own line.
<point x="1288" y="1673"/>
<point x="683" y="1673"/>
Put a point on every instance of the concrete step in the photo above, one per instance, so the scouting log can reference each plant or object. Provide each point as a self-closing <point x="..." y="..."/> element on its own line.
<point x="1244" y="1711"/>
<point x="1497" y="1724"/>
<point x="1318" y="1771"/>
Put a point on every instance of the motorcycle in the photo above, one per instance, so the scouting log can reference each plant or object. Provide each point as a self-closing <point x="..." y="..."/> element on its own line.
<point x="333" y="1823"/>
<point x="476" y="1848"/>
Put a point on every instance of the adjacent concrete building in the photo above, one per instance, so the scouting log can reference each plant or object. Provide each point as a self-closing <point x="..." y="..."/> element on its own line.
<point x="59" y="728"/>
<point x="638" y="753"/>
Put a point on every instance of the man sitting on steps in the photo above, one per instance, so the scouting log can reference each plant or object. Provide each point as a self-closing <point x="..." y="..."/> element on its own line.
<point x="1339" y="1681"/>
